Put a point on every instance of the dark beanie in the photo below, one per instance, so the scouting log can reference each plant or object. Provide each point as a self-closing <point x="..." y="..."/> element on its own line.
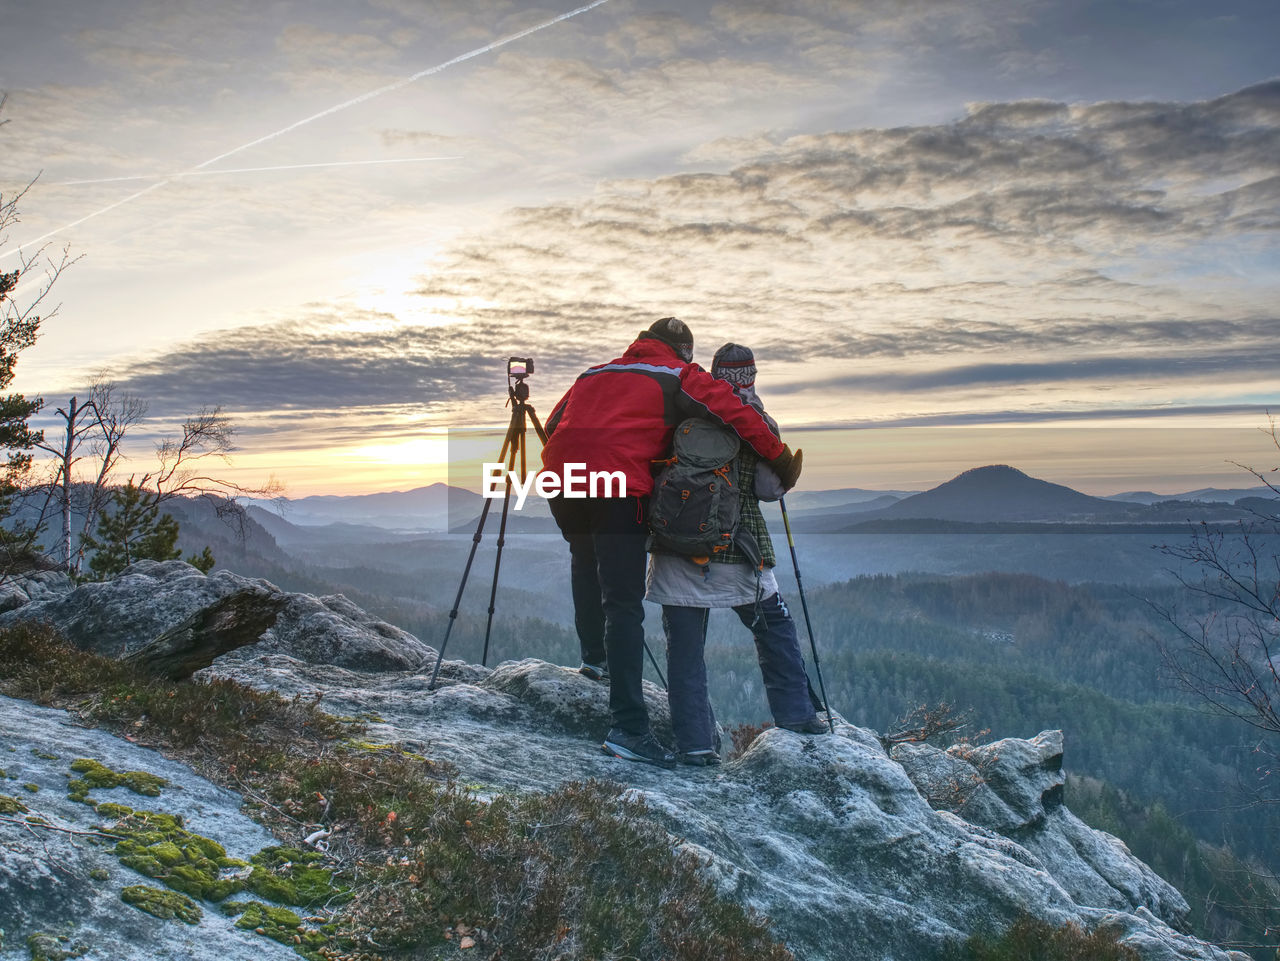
<point x="674" y="332"/>
<point x="736" y="364"/>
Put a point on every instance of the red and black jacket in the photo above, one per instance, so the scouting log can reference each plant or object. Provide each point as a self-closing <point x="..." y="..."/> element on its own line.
<point x="620" y="416"/>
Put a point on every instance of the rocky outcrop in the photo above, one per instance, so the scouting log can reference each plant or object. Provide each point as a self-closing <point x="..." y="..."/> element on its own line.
<point x="1014" y="788"/>
<point x="850" y="851"/>
<point x="228" y="624"/>
<point x="119" y="616"/>
<point x="855" y="853"/>
<point x="36" y="586"/>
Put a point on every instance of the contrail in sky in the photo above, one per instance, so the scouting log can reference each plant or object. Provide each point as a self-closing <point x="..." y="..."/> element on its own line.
<point x="479" y="51"/>
<point x="168" y="178"/>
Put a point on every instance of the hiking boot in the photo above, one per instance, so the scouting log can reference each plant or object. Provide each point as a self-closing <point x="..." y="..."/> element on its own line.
<point x="813" y="725"/>
<point x="704" y="758"/>
<point x="596" y="672"/>
<point x="644" y="748"/>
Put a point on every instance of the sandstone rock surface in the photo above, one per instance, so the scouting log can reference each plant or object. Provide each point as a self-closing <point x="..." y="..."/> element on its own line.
<point x="65" y="885"/>
<point x="118" y="616"/>
<point x="855" y="853"/>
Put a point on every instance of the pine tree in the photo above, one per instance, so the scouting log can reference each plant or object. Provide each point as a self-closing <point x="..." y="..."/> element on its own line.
<point x="17" y="332"/>
<point x="134" y="531"/>
<point x="204" y="561"/>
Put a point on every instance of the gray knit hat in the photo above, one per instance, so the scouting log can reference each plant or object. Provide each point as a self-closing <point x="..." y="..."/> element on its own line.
<point x="736" y="364"/>
<point x="673" y="332"/>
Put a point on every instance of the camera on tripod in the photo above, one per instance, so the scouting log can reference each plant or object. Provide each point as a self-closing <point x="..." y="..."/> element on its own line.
<point x="514" y="452"/>
<point x="518" y="368"/>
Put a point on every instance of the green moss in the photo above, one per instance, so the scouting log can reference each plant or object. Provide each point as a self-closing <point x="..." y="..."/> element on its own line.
<point x="95" y="774"/>
<point x="43" y="756"/>
<point x="144" y="782"/>
<point x="157" y="845"/>
<point x="11" y="805"/>
<point x="166" y="905"/>
<point x="33" y="788"/>
<point x="166" y="852"/>
<point x="281" y="924"/>
<point x="100" y="874"/>
<point x="292" y="876"/>
<point x="50" y="947"/>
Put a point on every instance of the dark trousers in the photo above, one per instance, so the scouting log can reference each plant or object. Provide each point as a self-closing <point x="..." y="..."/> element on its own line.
<point x="786" y="684"/>
<point x="606" y="538"/>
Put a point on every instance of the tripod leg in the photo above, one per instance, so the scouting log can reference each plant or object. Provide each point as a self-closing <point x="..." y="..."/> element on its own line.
<point x="466" y="572"/>
<point x="537" y="424"/>
<point x="516" y="444"/>
<point x="462" y="586"/>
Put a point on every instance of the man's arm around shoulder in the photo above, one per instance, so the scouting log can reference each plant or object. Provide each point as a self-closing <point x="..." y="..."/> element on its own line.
<point x="701" y="395"/>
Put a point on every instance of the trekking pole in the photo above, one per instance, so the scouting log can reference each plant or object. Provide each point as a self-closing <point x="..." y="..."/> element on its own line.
<point x="654" y="662"/>
<point x="804" y="606"/>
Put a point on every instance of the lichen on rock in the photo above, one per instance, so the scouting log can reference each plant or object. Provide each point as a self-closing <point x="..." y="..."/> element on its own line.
<point x="53" y="947"/>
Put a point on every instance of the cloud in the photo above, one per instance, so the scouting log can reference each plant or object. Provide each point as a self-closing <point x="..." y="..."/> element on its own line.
<point x="1157" y="413"/>
<point x="356" y="366"/>
<point x="658" y="37"/>
<point x="1011" y="245"/>
<point x="1245" y="365"/>
<point x="1052" y="231"/>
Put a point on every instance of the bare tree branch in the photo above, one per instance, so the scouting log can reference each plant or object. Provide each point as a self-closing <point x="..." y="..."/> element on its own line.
<point x="117" y="412"/>
<point x="209" y="434"/>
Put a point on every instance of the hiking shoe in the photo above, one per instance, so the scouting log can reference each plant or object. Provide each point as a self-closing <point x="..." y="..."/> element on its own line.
<point x="813" y="725"/>
<point x="596" y="672"/>
<point x="704" y="758"/>
<point x="644" y="748"/>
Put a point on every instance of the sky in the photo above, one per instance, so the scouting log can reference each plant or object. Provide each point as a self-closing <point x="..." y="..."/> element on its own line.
<point x="1037" y="232"/>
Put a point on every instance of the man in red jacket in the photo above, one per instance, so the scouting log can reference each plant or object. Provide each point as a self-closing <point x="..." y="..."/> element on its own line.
<point x="620" y="417"/>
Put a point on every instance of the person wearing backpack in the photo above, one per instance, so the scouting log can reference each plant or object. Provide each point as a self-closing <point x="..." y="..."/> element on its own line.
<point x="620" y="416"/>
<point x="734" y="571"/>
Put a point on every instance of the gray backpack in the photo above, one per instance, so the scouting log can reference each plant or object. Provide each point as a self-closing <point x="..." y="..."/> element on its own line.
<point x="694" y="507"/>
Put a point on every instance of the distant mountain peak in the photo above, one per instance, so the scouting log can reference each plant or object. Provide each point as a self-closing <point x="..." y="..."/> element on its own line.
<point x="993" y="469"/>
<point x="992" y="472"/>
<point x="999" y="492"/>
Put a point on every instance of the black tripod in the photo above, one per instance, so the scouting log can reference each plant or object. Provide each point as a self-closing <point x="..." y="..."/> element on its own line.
<point x="518" y="368"/>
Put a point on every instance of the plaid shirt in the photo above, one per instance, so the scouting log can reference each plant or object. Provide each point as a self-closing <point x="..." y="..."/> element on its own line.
<point x="750" y="517"/>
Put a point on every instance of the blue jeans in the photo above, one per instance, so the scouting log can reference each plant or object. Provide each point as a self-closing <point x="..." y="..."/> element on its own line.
<point x="607" y="565"/>
<point x="782" y="668"/>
